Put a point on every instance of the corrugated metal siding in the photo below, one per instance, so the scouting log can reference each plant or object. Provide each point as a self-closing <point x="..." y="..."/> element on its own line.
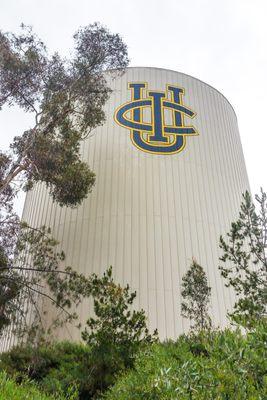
<point x="149" y="214"/>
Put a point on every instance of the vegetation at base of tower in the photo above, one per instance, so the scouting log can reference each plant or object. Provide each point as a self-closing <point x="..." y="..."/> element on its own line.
<point x="245" y="260"/>
<point x="113" y="338"/>
<point x="116" y="362"/>
<point x="115" y="333"/>
<point x="209" y="365"/>
<point x="66" y="97"/>
<point x="196" y="297"/>
<point x="218" y="365"/>
<point x="10" y="390"/>
<point x="58" y="368"/>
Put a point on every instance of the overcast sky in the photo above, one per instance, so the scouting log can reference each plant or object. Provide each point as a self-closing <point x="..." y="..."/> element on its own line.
<point x="222" y="42"/>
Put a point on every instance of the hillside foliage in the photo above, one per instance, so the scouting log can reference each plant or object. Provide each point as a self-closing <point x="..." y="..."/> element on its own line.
<point x="210" y="365"/>
<point x="10" y="390"/>
<point x="222" y="365"/>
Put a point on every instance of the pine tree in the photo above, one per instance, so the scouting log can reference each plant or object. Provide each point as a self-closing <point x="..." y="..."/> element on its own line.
<point x="116" y="332"/>
<point x="245" y="260"/>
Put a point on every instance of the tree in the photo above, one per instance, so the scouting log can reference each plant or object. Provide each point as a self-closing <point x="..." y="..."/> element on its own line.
<point x="196" y="297"/>
<point x="115" y="333"/>
<point x="245" y="260"/>
<point x="36" y="273"/>
<point x="32" y="269"/>
<point x="66" y="97"/>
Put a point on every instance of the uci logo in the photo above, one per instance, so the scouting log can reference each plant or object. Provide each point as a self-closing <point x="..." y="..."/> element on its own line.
<point x="156" y="136"/>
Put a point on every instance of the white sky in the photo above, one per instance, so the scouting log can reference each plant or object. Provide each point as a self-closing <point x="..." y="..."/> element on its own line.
<point x="222" y="42"/>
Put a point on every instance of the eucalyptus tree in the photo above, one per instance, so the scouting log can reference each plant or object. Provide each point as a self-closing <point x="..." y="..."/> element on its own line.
<point x="196" y="297"/>
<point x="66" y="97"/>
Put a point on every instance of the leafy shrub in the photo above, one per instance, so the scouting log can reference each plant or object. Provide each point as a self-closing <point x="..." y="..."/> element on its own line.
<point x="10" y="390"/>
<point x="115" y="335"/>
<point x="219" y="365"/>
<point x="55" y="368"/>
<point x="60" y="366"/>
<point x="208" y="366"/>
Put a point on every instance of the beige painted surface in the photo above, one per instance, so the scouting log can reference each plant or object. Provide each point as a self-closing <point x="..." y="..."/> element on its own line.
<point x="149" y="214"/>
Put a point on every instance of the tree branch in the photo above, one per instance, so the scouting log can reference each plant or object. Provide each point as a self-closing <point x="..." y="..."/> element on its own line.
<point x="12" y="175"/>
<point x="35" y="270"/>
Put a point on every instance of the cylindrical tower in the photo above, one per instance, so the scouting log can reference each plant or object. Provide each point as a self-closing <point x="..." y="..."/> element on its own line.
<point x="169" y="177"/>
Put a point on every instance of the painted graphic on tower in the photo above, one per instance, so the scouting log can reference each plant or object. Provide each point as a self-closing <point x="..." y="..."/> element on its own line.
<point x="156" y="119"/>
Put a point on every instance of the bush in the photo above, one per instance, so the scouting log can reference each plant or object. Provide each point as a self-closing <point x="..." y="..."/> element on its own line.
<point x="55" y="368"/>
<point x="116" y="333"/>
<point x="60" y="366"/>
<point x="10" y="390"/>
<point x="208" y="366"/>
<point x="218" y="365"/>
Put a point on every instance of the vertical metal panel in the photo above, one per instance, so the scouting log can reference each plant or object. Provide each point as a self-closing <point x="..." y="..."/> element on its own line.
<point x="149" y="214"/>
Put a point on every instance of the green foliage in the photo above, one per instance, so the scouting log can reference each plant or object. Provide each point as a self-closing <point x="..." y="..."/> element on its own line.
<point x="57" y="163"/>
<point x="114" y="336"/>
<point x="218" y="365"/>
<point x="31" y="269"/>
<point x="9" y="222"/>
<point x="9" y="390"/>
<point x="210" y="365"/>
<point x="245" y="260"/>
<point x="66" y="97"/>
<point x="35" y="272"/>
<point x="63" y="368"/>
<point x="196" y="297"/>
<point x="9" y="293"/>
<point x="116" y="332"/>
